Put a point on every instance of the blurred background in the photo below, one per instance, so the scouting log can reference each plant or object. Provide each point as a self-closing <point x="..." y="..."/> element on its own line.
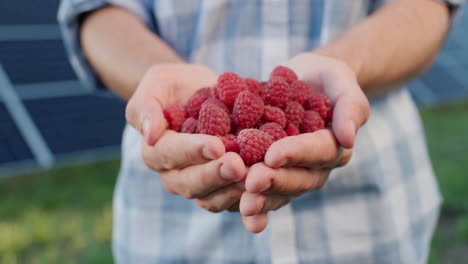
<point x="59" y="144"/>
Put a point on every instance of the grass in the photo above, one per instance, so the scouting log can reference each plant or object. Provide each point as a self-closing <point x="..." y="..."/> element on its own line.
<point x="65" y="215"/>
<point x="59" y="216"/>
<point x="446" y="132"/>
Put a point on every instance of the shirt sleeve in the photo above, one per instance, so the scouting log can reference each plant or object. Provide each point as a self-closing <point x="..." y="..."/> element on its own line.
<point x="69" y="15"/>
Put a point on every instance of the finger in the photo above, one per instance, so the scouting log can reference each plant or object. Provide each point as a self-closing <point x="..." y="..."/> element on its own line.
<point x="255" y="203"/>
<point x="145" y="114"/>
<point x="198" y="180"/>
<point x="234" y="208"/>
<point x="221" y="199"/>
<point x="256" y="223"/>
<point x="312" y="150"/>
<point x="339" y="83"/>
<point x="349" y="114"/>
<point x="144" y="110"/>
<point x="351" y="107"/>
<point x="179" y="150"/>
<point x="261" y="178"/>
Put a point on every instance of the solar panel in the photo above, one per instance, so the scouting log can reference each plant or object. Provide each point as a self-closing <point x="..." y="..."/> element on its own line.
<point x="35" y="61"/>
<point x="28" y="12"/>
<point x="70" y="124"/>
<point x="12" y="145"/>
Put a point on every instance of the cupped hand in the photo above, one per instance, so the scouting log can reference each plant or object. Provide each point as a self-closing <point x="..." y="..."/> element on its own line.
<point x="192" y="165"/>
<point x="299" y="164"/>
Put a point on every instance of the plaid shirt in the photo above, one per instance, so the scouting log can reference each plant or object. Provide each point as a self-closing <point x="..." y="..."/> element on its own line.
<point x="380" y="208"/>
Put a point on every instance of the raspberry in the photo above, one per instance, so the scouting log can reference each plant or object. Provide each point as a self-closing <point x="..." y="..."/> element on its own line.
<point x="190" y="126"/>
<point x="294" y="113"/>
<point x="274" y="130"/>
<point x="248" y="109"/>
<point x="262" y="85"/>
<point x="284" y="72"/>
<point x="195" y="102"/>
<point x="214" y="91"/>
<point x="274" y="114"/>
<point x="213" y="120"/>
<point x="253" y="145"/>
<point x="276" y="92"/>
<point x="320" y="104"/>
<point x="253" y="85"/>
<point x="218" y="103"/>
<point x="311" y="122"/>
<point x="175" y="116"/>
<point x="292" y="130"/>
<point x="229" y="86"/>
<point x="230" y="143"/>
<point x="300" y="91"/>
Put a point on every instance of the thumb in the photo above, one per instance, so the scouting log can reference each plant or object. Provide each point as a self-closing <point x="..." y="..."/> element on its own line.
<point x="145" y="108"/>
<point x="146" y="115"/>
<point x="255" y="223"/>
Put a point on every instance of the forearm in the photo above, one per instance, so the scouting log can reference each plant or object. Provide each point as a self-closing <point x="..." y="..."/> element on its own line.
<point x="121" y="48"/>
<point x="393" y="45"/>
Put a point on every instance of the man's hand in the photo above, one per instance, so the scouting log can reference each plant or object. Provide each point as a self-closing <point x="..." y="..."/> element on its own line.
<point x="295" y="165"/>
<point x="192" y="165"/>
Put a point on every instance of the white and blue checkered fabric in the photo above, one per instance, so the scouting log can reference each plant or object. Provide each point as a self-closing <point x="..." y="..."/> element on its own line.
<point x="380" y="208"/>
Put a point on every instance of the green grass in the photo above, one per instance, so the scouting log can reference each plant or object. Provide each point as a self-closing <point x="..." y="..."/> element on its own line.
<point x="65" y="215"/>
<point x="446" y="133"/>
<point x="60" y="216"/>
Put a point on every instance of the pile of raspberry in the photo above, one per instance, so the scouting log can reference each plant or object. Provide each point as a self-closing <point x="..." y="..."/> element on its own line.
<point x="248" y="115"/>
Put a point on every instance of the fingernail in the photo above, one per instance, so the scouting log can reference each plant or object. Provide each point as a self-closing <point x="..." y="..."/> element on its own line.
<point x="146" y="129"/>
<point x="227" y="174"/>
<point x="208" y="152"/>
<point x="283" y="162"/>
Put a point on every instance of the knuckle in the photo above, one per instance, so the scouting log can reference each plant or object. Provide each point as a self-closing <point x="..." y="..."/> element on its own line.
<point x="147" y="160"/>
<point x="345" y="158"/>
<point x="188" y="193"/>
<point x="309" y="185"/>
<point x="165" y="162"/>
<point x="209" y="206"/>
<point x="169" y="187"/>
<point x="322" y="180"/>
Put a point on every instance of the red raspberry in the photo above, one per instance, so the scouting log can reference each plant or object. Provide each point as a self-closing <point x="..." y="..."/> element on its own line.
<point x="253" y="85"/>
<point x="248" y="109"/>
<point x="274" y="114"/>
<point x="274" y="130"/>
<point x="320" y="104"/>
<point x="214" y="91"/>
<point x="230" y="143"/>
<point x="284" y="72"/>
<point x="175" y="116"/>
<point x="218" y="103"/>
<point x="229" y="86"/>
<point x="253" y="145"/>
<point x="300" y="91"/>
<point x="276" y="92"/>
<point x="292" y="130"/>
<point x="213" y="120"/>
<point x="195" y="102"/>
<point x="294" y="113"/>
<point x="190" y="126"/>
<point x="311" y="122"/>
